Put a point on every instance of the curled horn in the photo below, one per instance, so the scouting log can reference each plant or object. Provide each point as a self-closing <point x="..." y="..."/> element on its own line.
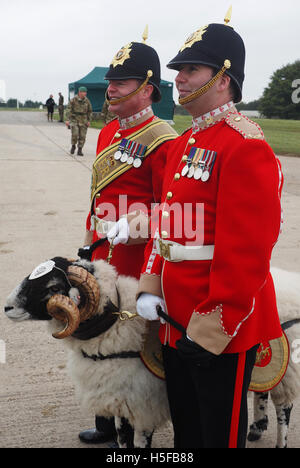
<point x="88" y="288"/>
<point x="65" y="310"/>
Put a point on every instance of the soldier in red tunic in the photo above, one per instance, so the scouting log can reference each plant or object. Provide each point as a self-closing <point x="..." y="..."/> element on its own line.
<point x="127" y="172"/>
<point x="208" y="264"/>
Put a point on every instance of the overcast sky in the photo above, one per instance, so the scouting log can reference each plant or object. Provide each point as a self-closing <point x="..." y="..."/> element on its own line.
<point x="46" y="44"/>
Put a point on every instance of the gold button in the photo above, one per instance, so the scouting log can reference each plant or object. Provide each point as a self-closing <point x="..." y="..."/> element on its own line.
<point x="165" y="214"/>
<point x="177" y="176"/>
<point x="117" y="135"/>
<point x="184" y="158"/>
<point x="169" y="195"/>
<point x="164" y="234"/>
<point x="98" y="195"/>
<point x="192" y="141"/>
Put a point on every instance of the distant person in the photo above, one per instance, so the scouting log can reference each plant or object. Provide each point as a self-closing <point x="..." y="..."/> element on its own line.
<point x="106" y="115"/>
<point x="61" y="107"/>
<point x="50" y="103"/>
<point x="79" y="113"/>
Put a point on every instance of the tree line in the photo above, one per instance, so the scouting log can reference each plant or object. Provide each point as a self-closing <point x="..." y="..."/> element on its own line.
<point x="13" y="103"/>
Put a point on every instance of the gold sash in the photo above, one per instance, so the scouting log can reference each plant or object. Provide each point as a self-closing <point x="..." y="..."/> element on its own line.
<point x="106" y="168"/>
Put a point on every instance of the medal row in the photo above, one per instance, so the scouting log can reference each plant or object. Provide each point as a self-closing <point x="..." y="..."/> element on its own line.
<point x="196" y="172"/>
<point x="199" y="164"/>
<point x="130" y="152"/>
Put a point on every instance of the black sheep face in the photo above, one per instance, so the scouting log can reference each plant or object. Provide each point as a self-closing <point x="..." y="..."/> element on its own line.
<point x="29" y="299"/>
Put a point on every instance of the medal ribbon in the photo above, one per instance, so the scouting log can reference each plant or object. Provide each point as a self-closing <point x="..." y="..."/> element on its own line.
<point x="198" y="156"/>
<point x="134" y="149"/>
<point x="122" y="145"/>
<point x="140" y="153"/>
<point x="210" y="160"/>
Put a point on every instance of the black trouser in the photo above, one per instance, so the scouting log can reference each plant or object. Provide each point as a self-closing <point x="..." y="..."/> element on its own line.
<point x="50" y="113"/>
<point x="209" y="405"/>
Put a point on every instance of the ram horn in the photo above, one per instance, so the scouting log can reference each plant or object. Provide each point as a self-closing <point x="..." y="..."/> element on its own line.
<point x="88" y="288"/>
<point x="65" y="310"/>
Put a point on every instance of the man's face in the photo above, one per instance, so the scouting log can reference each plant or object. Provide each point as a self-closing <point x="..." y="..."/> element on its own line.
<point x="81" y="94"/>
<point x="192" y="77"/>
<point x="120" y="88"/>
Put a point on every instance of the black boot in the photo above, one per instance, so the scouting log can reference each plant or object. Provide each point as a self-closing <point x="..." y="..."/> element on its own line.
<point x="79" y="152"/>
<point x="73" y="148"/>
<point x="103" y="432"/>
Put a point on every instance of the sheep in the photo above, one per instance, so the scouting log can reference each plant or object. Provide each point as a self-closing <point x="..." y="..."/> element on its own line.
<point x="105" y="359"/>
<point x="128" y="391"/>
<point x="288" y="300"/>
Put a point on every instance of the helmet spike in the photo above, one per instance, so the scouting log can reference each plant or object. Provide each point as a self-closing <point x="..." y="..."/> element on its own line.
<point x="228" y="15"/>
<point x="145" y="34"/>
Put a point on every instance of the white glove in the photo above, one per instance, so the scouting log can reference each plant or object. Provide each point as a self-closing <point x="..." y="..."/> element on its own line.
<point x="119" y="233"/>
<point x="146" y="306"/>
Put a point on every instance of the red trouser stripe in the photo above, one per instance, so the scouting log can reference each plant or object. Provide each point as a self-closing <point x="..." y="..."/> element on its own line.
<point x="235" y="417"/>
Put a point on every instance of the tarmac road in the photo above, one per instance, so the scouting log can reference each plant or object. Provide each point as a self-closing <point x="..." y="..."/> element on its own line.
<point x="44" y="200"/>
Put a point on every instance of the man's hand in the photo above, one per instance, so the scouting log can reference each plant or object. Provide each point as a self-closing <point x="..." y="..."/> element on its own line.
<point x="147" y="304"/>
<point x="119" y="233"/>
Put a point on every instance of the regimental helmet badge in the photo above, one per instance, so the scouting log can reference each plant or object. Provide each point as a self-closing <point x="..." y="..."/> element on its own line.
<point x="122" y="55"/>
<point x="195" y="37"/>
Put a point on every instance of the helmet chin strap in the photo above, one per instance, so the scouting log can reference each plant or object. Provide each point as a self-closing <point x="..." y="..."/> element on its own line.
<point x="207" y="86"/>
<point x="113" y="102"/>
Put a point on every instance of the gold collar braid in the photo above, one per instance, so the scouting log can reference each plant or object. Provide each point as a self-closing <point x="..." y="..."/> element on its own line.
<point x="113" y="102"/>
<point x="207" y="86"/>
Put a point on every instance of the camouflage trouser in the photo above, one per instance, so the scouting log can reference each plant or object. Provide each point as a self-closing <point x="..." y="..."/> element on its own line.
<point x="79" y="132"/>
<point x="61" y="112"/>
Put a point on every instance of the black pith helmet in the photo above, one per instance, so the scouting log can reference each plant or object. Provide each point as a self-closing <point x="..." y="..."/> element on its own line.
<point x="134" y="61"/>
<point x="211" y="46"/>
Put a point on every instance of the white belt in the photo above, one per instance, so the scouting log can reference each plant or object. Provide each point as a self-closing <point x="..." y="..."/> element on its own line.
<point x="174" y="252"/>
<point x="101" y="226"/>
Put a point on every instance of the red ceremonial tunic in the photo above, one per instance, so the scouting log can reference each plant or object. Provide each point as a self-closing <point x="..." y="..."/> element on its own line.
<point x="242" y="219"/>
<point x="136" y="186"/>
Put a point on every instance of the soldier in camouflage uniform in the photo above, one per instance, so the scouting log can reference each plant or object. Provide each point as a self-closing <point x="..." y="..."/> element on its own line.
<point x="106" y="115"/>
<point x="79" y="113"/>
<point x="61" y="107"/>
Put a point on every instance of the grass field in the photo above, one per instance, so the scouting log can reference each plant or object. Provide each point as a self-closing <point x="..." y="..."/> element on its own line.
<point x="282" y="135"/>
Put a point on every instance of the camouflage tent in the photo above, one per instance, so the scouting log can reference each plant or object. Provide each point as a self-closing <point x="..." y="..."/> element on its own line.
<point x="96" y="86"/>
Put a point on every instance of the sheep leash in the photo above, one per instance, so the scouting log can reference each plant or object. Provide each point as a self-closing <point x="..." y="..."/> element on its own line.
<point x="101" y="357"/>
<point x="289" y="324"/>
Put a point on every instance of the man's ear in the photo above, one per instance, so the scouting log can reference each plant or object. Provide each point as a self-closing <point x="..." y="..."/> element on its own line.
<point x="148" y="90"/>
<point x="224" y="82"/>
